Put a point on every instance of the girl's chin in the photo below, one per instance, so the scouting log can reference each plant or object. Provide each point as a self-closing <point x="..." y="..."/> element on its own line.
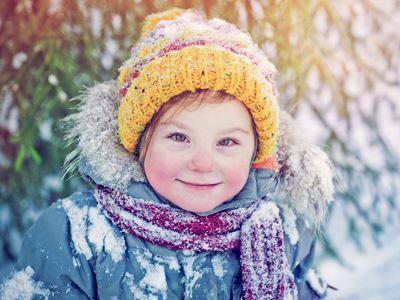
<point x="197" y="206"/>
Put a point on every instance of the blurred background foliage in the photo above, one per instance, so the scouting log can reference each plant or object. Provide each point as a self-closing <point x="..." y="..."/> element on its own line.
<point x="339" y="75"/>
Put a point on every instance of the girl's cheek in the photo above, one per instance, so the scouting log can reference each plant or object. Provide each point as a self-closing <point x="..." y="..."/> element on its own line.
<point x="237" y="174"/>
<point x="162" y="166"/>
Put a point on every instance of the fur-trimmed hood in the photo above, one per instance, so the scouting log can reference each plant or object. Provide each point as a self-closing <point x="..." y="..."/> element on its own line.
<point x="306" y="173"/>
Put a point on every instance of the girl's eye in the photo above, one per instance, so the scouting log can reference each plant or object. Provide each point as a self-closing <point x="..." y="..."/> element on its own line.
<point x="178" y="137"/>
<point x="227" y="142"/>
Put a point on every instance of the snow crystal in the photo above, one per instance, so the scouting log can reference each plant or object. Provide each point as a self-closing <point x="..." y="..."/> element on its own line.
<point x="289" y="224"/>
<point x="219" y="265"/>
<point x="102" y="235"/>
<point x="21" y="285"/>
<point x="19" y="59"/>
<point x="78" y="218"/>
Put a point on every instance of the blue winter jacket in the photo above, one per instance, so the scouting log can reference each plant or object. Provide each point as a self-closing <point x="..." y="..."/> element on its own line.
<point x="76" y="252"/>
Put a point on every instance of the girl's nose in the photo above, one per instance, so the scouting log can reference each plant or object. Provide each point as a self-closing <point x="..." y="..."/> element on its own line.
<point x="202" y="161"/>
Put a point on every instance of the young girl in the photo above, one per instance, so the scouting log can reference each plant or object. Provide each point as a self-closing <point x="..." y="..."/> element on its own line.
<point x="186" y="156"/>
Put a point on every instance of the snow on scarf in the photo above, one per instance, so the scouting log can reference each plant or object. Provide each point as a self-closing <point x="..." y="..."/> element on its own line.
<point x="256" y="231"/>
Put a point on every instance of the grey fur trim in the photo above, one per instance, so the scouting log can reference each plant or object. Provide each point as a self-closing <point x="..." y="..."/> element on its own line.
<point x="306" y="173"/>
<point x="95" y="130"/>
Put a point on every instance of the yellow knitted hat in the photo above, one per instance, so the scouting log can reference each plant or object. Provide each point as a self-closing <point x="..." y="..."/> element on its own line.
<point x="182" y="51"/>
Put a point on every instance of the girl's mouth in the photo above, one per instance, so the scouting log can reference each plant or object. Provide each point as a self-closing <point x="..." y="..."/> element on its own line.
<point x="199" y="186"/>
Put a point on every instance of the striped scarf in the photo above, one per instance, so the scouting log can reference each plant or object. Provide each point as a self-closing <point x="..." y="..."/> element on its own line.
<point x="255" y="230"/>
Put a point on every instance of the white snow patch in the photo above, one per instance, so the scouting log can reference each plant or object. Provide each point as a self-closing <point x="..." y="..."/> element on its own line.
<point x="136" y="290"/>
<point x="53" y="80"/>
<point x="76" y="262"/>
<point x="45" y="130"/>
<point x="191" y="276"/>
<point x="313" y="78"/>
<point x="154" y="281"/>
<point x="9" y="114"/>
<point x="102" y="235"/>
<point x="321" y="21"/>
<point x="55" y="6"/>
<point x="257" y="9"/>
<point x="78" y="218"/>
<point x="19" y="59"/>
<point x="116" y="22"/>
<point x="52" y="182"/>
<point x="316" y="282"/>
<point x="15" y="238"/>
<point x="13" y="124"/>
<point x="219" y="265"/>
<point x="155" y="278"/>
<point x="62" y="95"/>
<point x="107" y="61"/>
<point x="306" y="172"/>
<point x="21" y="285"/>
<point x="241" y="9"/>
<point x="289" y="224"/>
<point x="97" y="21"/>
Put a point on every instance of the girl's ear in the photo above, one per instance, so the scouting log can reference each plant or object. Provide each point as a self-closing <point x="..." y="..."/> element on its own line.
<point x="144" y="143"/>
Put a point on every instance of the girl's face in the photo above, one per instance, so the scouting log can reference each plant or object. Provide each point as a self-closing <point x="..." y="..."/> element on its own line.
<point x="200" y="156"/>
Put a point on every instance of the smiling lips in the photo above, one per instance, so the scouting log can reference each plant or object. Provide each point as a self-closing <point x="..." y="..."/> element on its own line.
<point x="199" y="186"/>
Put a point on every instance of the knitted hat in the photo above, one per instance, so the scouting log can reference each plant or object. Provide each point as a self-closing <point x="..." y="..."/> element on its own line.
<point x="182" y="51"/>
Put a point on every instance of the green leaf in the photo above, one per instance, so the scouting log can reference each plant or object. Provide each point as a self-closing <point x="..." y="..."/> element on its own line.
<point x="35" y="155"/>
<point x="20" y="158"/>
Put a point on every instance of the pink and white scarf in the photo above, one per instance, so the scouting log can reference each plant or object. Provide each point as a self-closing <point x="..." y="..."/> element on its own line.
<point x="255" y="230"/>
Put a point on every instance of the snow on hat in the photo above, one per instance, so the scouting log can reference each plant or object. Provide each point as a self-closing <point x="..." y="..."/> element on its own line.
<point x="179" y="51"/>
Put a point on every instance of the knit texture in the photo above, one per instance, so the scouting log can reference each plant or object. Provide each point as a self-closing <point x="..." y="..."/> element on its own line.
<point x="182" y="51"/>
<point x="255" y="230"/>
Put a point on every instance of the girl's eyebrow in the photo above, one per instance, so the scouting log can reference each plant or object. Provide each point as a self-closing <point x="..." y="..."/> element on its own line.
<point x="235" y="129"/>
<point x="174" y="123"/>
<point x="185" y="127"/>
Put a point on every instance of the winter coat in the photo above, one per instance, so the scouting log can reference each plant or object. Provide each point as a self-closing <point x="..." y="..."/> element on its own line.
<point x="74" y="251"/>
